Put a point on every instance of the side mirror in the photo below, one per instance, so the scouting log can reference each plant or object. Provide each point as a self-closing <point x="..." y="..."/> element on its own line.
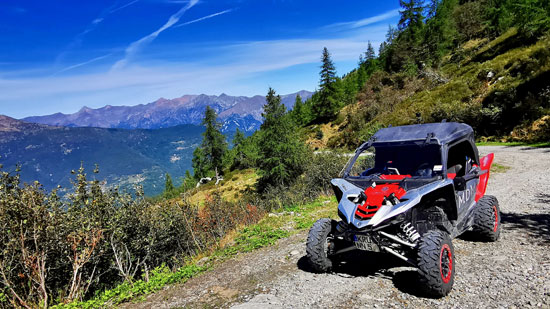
<point x="460" y="183"/>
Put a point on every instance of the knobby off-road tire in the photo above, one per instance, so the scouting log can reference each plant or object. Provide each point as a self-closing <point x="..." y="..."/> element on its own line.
<point x="317" y="248"/>
<point x="436" y="266"/>
<point x="487" y="219"/>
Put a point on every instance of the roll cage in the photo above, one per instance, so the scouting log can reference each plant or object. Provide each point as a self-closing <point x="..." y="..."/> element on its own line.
<point x="423" y="153"/>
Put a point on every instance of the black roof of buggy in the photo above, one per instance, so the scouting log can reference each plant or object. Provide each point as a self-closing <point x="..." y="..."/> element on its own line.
<point x="443" y="133"/>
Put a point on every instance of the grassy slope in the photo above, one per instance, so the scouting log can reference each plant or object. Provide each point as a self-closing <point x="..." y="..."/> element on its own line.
<point x="468" y="86"/>
<point x="231" y="188"/>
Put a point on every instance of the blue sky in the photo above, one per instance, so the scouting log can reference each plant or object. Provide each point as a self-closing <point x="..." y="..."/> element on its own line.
<point x="60" y="55"/>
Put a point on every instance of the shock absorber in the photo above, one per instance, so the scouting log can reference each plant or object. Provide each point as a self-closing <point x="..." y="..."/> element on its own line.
<point x="341" y="227"/>
<point x="410" y="231"/>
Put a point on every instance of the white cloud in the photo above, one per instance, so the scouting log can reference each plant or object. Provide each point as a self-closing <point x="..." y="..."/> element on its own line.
<point x="256" y="62"/>
<point x="363" y="22"/>
<point x="136" y="46"/>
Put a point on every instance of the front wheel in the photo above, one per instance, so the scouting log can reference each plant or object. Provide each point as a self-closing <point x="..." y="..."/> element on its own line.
<point x="320" y="244"/>
<point x="436" y="266"/>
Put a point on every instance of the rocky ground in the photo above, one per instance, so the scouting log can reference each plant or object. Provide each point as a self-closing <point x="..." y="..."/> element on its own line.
<point x="513" y="272"/>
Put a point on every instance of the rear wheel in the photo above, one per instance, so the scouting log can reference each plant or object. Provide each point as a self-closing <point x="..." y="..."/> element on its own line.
<point x="320" y="245"/>
<point x="436" y="266"/>
<point x="487" y="218"/>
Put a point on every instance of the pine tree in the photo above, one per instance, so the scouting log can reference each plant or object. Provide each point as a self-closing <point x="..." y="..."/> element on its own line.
<point x="169" y="188"/>
<point x="326" y="107"/>
<point x="282" y="154"/>
<point x="188" y="182"/>
<point x="412" y="18"/>
<point x="328" y="71"/>
<point x="298" y="110"/>
<point x="441" y="28"/>
<point x="200" y="165"/>
<point x="361" y="60"/>
<point x="370" y="54"/>
<point x="209" y="155"/>
<point x="432" y="8"/>
<point x="238" y="138"/>
<point x="391" y="35"/>
<point x="238" y="150"/>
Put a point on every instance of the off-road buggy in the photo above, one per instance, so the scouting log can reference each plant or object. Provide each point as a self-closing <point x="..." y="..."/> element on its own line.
<point x="408" y="191"/>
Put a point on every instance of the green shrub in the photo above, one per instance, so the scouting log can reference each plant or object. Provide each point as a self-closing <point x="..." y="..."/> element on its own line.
<point x="95" y="239"/>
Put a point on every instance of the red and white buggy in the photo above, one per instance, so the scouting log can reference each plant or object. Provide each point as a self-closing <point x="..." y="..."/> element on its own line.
<point x="408" y="192"/>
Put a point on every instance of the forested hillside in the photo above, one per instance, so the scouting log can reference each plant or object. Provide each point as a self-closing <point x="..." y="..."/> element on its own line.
<point x="125" y="157"/>
<point x="485" y="63"/>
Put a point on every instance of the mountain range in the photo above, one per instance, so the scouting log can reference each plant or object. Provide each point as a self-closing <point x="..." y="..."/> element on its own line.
<point x="131" y="144"/>
<point x="125" y="157"/>
<point x="234" y="112"/>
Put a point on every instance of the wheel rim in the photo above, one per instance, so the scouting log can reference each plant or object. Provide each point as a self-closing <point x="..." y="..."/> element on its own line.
<point x="446" y="263"/>
<point x="495" y="225"/>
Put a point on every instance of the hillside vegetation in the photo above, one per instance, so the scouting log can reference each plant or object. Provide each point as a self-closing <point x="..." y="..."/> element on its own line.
<point x="126" y="157"/>
<point x="503" y="97"/>
<point x="485" y="63"/>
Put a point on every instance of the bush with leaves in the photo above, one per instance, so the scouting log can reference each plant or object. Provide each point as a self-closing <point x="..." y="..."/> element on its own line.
<point x="63" y="249"/>
<point x="319" y="170"/>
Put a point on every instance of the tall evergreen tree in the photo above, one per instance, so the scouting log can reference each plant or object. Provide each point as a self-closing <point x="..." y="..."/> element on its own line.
<point x="432" y="8"/>
<point x="200" y="165"/>
<point x="282" y="154"/>
<point x="412" y="18"/>
<point x="238" y="138"/>
<point x="391" y="35"/>
<point x="370" y="54"/>
<point x="169" y="188"/>
<point x="328" y="71"/>
<point x="326" y="106"/>
<point x="298" y="110"/>
<point x="441" y="29"/>
<point x="238" y="155"/>
<point x="361" y="60"/>
<point x="213" y="146"/>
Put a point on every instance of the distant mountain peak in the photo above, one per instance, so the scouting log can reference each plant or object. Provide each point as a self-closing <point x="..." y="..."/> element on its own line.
<point x="9" y="124"/>
<point x="163" y="113"/>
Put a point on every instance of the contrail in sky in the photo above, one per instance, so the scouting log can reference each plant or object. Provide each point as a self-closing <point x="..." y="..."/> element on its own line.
<point x="91" y="27"/>
<point x="203" y="18"/>
<point x="136" y="46"/>
<point x="83" y="63"/>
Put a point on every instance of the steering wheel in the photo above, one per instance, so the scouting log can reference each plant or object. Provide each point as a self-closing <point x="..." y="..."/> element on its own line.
<point x="422" y="167"/>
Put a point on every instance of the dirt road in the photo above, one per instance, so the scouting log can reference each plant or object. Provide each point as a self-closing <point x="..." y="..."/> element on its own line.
<point x="513" y="272"/>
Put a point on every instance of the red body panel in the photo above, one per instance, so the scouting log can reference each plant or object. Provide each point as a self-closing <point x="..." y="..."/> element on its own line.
<point x="376" y="196"/>
<point x="483" y="179"/>
<point x="394" y="177"/>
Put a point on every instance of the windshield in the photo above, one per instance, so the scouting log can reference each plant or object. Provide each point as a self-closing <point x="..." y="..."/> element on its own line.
<point x="415" y="160"/>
